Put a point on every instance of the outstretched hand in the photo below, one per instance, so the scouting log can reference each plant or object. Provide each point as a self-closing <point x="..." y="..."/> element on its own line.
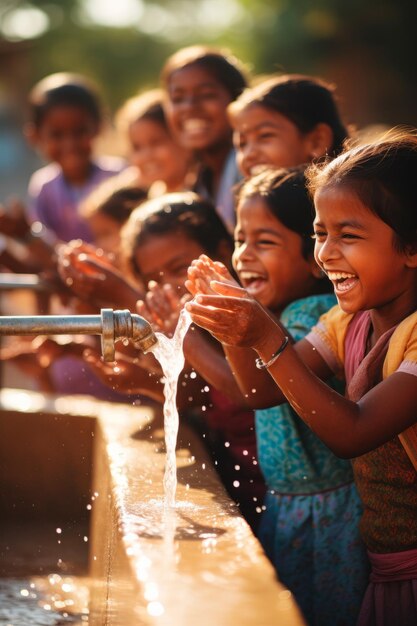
<point x="91" y="275"/>
<point x="231" y="316"/>
<point x="126" y="375"/>
<point x="162" y="306"/>
<point x="204" y="270"/>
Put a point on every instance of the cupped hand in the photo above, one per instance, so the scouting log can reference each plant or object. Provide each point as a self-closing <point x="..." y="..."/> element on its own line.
<point x="231" y="316"/>
<point x="91" y="275"/>
<point x="204" y="270"/>
<point x="125" y="375"/>
<point x="162" y="306"/>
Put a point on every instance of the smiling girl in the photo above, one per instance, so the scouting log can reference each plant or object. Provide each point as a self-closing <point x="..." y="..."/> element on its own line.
<point x="310" y="526"/>
<point x="200" y="83"/>
<point x="366" y="242"/>
<point x="286" y="121"/>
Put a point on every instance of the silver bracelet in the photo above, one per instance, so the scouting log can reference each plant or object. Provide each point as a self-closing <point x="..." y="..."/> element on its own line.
<point x="261" y="365"/>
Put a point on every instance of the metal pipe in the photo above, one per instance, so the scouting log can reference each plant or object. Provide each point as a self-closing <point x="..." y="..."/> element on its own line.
<point x="11" y="282"/>
<point x="111" y="325"/>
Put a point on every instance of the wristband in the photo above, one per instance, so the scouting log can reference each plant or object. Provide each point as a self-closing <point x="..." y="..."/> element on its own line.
<point x="261" y="365"/>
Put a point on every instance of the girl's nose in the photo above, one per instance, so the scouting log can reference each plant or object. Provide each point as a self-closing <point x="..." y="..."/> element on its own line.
<point x="248" y="154"/>
<point x="243" y="252"/>
<point x="326" y="250"/>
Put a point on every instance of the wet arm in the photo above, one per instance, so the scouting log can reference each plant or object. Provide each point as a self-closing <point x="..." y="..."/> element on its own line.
<point x="348" y="428"/>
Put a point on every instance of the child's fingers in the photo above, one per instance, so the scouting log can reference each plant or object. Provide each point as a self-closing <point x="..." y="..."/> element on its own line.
<point x="228" y="289"/>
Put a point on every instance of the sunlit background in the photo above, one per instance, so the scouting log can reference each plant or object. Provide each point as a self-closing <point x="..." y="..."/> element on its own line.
<point x="366" y="47"/>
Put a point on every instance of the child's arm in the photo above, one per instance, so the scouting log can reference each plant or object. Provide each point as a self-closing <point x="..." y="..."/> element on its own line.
<point x="348" y="428"/>
<point x="94" y="278"/>
<point x="161" y="307"/>
<point x="254" y="385"/>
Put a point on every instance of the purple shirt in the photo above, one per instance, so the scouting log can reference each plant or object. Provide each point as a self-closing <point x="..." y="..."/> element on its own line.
<point x="54" y="202"/>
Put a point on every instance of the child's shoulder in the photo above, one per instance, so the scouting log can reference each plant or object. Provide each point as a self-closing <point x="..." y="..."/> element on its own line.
<point x="301" y="315"/>
<point x="315" y="305"/>
<point x="402" y="346"/>
<point x="109" y="164"/>
<point x="44" y="176"/>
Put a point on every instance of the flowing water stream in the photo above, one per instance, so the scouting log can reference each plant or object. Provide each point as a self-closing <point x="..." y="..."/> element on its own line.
<point x="171" y="357"/>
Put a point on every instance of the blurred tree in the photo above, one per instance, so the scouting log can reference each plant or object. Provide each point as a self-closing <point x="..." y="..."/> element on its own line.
<point x="367" y="49"/>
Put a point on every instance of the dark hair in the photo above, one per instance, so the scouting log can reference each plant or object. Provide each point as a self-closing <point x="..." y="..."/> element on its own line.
<point x="285" y="193"/>
<point x="382" y="175"/>
<point x="221" y="64"/>
<point x="184" y="212"/>
<point x="63" y="89"/>
<point x="113" y="200"/>
<point x="304" y="100"/>
<point x="145" y="106"/>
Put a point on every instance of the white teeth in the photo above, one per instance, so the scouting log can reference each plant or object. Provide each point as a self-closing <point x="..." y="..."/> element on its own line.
<point x="194" y="125"/>
<point x="339" y="275"/>
<point x="257" y="169"/>
<point x="249" y="275"/>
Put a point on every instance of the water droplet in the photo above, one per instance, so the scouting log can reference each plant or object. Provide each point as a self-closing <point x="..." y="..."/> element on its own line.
<point x="193" y="375"/>
<point x="253" y="390"/>
<point x="58" y="531"/>
<point x="236" y="483"/>
<point x="245" y="453"/>
<point x="227" y="444"/>
<point x="237" y="467"/>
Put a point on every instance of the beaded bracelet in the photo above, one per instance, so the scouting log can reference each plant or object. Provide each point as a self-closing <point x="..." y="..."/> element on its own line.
<point x="261" y="365"/>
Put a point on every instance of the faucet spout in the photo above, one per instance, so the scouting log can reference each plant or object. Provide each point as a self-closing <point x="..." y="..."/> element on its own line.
<point x="111" y="325"/>
<point x="124" y="324"/>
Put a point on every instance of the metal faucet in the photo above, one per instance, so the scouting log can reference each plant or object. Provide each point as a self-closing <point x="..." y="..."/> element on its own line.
<point x="111" y="325"/>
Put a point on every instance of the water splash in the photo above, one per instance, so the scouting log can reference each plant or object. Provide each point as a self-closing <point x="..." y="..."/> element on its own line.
<point x="171" y="357"/>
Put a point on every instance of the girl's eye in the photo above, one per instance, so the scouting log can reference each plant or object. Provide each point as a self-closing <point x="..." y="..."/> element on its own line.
<point x="349" y="236"/>
<point x="319" y="235"/>
<point x="266" y="136"/>
<point x="267" y="242"/>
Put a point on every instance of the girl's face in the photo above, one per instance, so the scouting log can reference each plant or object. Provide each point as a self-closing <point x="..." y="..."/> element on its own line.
<point x="268" y="257"/>
<point x="196" y="109"/>
<point x="165" y="259"/>
<point x="65" y="136"/>
<point x="264" y="137"/>
<point x="106" y="232"/>
<point x="156" y="155"/>
<point x="356" y="250"/>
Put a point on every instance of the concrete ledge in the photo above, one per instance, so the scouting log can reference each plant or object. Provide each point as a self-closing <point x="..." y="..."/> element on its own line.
<point x="196" y="564"/>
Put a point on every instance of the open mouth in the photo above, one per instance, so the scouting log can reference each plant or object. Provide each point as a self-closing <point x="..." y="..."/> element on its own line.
<point x="252" y="281"/>
<point x="342" y="281"/>
<point x="195" y="126"/>
<point x="258" y="169"/>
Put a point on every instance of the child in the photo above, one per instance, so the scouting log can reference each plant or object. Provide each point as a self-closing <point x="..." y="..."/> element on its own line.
<point x="65" y="118"/>
<point x="310" y="526"/>
<point x="160" y="240"/>
<point x="286" y="121"/>
<point x="107" y="209"/>
<point x="162" y="164"/>
<point x="200" y="83"/>
<point x="366" y="242"/>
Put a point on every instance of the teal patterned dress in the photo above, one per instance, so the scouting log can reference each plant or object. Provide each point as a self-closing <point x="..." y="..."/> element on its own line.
<point x="309" y="528"/>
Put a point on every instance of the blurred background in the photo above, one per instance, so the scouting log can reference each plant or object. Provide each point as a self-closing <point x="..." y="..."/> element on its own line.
<point x="367" y="48"/>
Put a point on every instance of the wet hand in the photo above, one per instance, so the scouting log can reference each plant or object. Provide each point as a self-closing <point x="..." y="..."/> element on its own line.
<point x="124" y="374"/>
<point x="162" y="306"/>
<point x="89" y="273"/>
<point x="204" y="270"/>
<point x="232" y="316"/>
